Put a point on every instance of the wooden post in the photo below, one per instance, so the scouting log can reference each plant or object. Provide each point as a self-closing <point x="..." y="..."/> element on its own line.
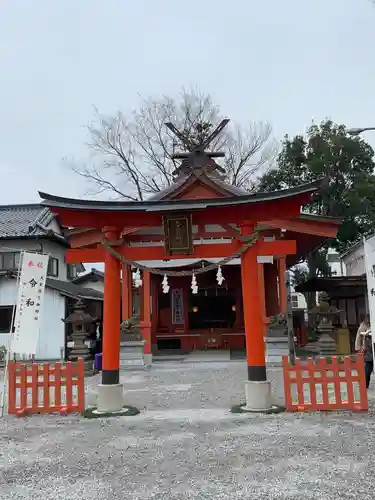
<point x="146" y="316"/>
<point x="127" y="292"/>
<point x="111" y="320"/>
<point x="154" y="309"/>
<point x="282" y="288"/>
<point x="252" y="308"/>
<point x="271" y="289"/>
<point x="262" y="292"/>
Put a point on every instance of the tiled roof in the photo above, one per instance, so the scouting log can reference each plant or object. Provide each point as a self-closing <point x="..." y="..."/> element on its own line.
<point x="72" y="290"/>
<point x="24" y="220"/>
<point x="93" y="275"/>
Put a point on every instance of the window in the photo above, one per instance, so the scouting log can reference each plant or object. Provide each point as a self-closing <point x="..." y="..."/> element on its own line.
<point x="9" y="261"/>
<point x="53" y="267"/>
<point x="72" y="271"/>
<point x="6" y="313"/>
<point x="295" y="301"/>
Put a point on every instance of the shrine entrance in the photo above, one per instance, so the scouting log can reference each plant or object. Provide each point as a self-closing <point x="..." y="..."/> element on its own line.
<point x="202" y="218"/>
<point x="212" y="308"/>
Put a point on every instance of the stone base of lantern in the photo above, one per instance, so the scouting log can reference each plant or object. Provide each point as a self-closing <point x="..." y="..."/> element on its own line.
<point x="327" y="346"/>
<point x="89" y="367"/>
<point x="88" y="363"/>
<point x="110" y="398"/>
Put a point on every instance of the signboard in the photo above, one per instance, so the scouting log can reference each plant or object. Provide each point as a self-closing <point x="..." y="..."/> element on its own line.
<point x="369" y="254"/>
<point x="178" y="234"/>
<point x="177" y="306"/>
<point x="32" y="282"/>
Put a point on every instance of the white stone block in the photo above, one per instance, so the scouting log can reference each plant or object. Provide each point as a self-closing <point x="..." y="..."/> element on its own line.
<point x="258" y="396"/>
<point x="110" y="398"/>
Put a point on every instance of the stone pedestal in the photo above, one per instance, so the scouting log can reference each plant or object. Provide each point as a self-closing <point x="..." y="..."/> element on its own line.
<point x="147" y="359"/>
<point x="110" y="398"/>
<point x="131" y="354"/>
<point x="276" y="341"/>
<point x="258" y="396"/>
<point x="276" y="348"/>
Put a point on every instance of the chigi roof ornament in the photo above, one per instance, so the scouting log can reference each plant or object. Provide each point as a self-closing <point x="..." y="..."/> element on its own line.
<point x="196" y="157"/>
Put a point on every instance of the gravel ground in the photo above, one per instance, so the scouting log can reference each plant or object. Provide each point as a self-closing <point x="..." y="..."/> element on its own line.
<point x="186" y="445"/>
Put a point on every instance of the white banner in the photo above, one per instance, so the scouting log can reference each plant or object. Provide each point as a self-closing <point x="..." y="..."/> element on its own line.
<point x="369" y="253"/>
<point x="32" y="282"/>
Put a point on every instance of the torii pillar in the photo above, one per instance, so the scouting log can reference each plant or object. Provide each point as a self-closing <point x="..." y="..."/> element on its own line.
<point x="110" y="391"/>
<point x="257" y="387"/>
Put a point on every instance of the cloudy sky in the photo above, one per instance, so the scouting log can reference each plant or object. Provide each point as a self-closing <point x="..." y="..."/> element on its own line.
<point x="287" y="62"/>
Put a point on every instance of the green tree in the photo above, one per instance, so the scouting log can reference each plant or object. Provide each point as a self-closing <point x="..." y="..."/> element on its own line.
<point x="346" y="163"/>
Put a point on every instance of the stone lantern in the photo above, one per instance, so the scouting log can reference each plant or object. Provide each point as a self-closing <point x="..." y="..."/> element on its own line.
<point x="324" y="314"/>
<point x="82" y="326"/>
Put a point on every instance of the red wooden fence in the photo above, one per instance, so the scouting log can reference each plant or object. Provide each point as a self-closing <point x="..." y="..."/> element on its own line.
<point x="325" y="384"/>
<point x="29" y="387"/>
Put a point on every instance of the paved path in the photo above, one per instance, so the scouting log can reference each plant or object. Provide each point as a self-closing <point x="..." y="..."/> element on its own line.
<point x="186" y="445"/>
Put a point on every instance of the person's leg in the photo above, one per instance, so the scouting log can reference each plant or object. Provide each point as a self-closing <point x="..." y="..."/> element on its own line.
<point x="368" y="370"/>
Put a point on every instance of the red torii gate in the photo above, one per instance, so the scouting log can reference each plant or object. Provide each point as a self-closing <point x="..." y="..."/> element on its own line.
<point x="114" y="223"/>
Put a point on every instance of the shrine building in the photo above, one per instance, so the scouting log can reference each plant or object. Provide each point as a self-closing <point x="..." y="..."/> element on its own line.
<point x="210" y="260"/>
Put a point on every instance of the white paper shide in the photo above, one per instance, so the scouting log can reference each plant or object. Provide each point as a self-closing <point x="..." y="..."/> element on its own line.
<point x="32" y="282"/>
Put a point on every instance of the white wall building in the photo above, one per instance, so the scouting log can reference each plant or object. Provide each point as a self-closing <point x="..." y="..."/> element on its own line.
<point x="298" y="301"/>
<point x="34" y="228"/>
<point x="354" y="260"/>
<point x="93" y="279"/>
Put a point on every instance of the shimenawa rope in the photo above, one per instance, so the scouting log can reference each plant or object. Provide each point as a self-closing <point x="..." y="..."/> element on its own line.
<point x="163" y="272"/>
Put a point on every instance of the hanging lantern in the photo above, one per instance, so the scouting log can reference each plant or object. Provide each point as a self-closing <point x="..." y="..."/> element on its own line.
<point x="164" y="284"/>
<point x="137" y="279"/>
<point x="194" y="285"/>
<point x="219" y="276"/>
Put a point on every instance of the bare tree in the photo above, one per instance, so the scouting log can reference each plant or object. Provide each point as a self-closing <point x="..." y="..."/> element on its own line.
<point x="131" y="158"/>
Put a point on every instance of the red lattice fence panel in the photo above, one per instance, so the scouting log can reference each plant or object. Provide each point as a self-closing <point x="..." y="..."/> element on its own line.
<point x="46" y="388"/>
<point x="325" y="384"/>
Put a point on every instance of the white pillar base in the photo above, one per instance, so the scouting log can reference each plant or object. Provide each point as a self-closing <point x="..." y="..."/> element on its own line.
<point x="147" y="359"/>
<point x="110" y="398"/>
<point x="258" y="396"/>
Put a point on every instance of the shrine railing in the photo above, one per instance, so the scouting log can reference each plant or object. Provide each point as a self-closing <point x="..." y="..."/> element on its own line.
<point x="325" y="384"/>
<point x="46" y="388"/>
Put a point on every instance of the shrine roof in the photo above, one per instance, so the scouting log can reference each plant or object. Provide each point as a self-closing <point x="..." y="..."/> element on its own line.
<point x="337" y="287"/>
<point x="153" y="205"/>
<point x="182" y="181"/>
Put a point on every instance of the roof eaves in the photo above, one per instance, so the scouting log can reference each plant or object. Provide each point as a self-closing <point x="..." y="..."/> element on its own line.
<point x="84" y="277"/>
<point x="72" y="290"/>
<point x="323" y="218"/>
<point x="154" y="206"/>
